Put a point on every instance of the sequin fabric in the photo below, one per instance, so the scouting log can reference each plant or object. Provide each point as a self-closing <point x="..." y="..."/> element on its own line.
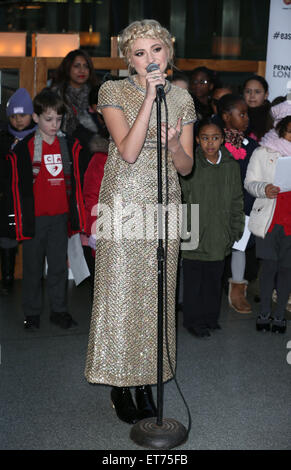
<point x="122" y="349"/>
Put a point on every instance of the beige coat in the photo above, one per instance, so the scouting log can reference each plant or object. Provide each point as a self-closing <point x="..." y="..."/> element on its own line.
<point x="260" y="172"/>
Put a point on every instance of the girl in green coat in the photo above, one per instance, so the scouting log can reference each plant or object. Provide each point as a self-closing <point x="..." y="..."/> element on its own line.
<point x="214" y="184"/>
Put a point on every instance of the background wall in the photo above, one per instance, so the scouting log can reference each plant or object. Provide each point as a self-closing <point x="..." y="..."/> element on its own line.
<point x="197" y="25"/>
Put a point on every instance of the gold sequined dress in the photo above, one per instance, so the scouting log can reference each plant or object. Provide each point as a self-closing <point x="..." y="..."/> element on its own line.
<point x="122" y="349"/>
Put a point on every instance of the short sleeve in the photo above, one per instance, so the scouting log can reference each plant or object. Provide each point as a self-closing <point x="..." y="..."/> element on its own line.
<point x="189" y="113"/>
<point x="109" y="95"/>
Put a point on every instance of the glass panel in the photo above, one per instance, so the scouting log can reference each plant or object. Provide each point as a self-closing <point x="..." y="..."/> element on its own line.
<point x="9" y="83"/>
<point x="234" y="79"/>
<point x="202" y="28"/>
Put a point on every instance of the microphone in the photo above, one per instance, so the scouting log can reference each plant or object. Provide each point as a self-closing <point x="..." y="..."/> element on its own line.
<point x="150" y="68"/>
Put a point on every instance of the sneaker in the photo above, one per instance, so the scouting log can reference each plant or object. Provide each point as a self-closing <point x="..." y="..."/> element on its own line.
<point x="63" y="320"/>
<point x="279" y="325"/>
<point x="31" y="322"/>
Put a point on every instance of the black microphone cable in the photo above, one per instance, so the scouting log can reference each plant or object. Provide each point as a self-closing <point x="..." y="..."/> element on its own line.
<point x="166" y="231"/>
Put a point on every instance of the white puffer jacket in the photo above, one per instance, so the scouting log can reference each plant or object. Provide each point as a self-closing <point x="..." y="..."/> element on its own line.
<point x="260" y="172"/>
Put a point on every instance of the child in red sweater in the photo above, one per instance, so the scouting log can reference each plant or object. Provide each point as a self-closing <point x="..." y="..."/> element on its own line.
<point x="47" y="199"/>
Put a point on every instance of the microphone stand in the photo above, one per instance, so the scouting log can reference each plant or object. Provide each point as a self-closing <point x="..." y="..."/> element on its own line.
<point x="159" y="432"/>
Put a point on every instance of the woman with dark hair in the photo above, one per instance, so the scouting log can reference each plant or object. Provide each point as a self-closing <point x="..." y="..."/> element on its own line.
<point x="255" y="92"/>
<point x="74" y="79"/>
<point x="75" y="82"/>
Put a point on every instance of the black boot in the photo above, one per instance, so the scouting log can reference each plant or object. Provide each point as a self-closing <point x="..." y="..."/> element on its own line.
<point x="63" y="320"/>
<point x="144" y="402"/>
<point x="124" y="406"/>
<point x="31" y="322"/>
<point x="279" y="325"/>
<point x="7" y="267"/>
<point x="263" y="323"/>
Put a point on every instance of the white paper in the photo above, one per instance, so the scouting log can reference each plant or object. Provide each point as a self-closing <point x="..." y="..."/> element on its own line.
<point x="283" y="174"/>
<point x="242" y="243"/>
<point x="77" y="262"/>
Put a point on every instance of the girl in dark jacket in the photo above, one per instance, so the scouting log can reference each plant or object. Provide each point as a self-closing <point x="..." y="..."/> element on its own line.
<point x="215" y="185"/>
<point x="20" y="124"/>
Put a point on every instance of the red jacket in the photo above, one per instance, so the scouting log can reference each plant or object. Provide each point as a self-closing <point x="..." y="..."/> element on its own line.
<point x="91" y="188"/>
<point x="22" y="190"/>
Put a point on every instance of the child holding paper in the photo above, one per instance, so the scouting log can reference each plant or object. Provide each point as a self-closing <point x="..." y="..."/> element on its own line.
<point x="270" y="220"/>
<point x="48" y="204"/>
<point x="233" y="111"/>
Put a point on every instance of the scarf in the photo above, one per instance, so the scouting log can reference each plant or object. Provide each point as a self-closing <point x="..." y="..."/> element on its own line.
<point x="272" y="141"/>
<point x="280" y="111"/>
<point x="77" y="109"/>
<point x="37" y="158"/>
<point x="19" y="135"/>
<point x="233" y="143"/>
<point x="234" y="137"/>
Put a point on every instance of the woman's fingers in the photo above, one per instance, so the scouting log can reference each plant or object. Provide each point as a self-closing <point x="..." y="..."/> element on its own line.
<point x="156" y="78"/>
<point x="171" y="130"/>
<point x="179" y="125"/>
<point x="173" y="133"/>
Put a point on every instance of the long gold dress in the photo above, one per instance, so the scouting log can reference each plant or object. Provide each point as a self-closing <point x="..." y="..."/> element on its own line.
<point x="122" y="349"/>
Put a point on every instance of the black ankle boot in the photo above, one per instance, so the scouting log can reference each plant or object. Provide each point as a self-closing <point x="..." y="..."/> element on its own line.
<point x="144" y="402"/>
<point x="263" y="323"/>
<point x="7" y="267"/>
<point x="31" y="322"/>
<point x="124" y="406"/>
<point x="279" y="325"/>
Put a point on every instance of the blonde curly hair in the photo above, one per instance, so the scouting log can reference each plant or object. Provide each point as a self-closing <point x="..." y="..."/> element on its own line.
<point x="144" y="29"/>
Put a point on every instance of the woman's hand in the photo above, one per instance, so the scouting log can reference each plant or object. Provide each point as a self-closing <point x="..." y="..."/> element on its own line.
<point x="272" y="191"/>
<point x="173" y="136"/>
<point x="180" y="144"/>
<point x="154" y="78"/>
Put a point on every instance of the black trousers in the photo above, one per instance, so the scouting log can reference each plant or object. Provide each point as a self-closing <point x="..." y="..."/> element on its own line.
<point x="272" y="274"/>
<point x="202" y="293"/>
<point x="51" y="241"/>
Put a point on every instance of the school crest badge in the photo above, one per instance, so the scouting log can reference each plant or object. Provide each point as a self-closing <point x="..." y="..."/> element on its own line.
<point x="53" y="164"/>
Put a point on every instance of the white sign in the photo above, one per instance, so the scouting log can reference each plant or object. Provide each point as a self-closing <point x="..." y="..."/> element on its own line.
<point x="77" y="262"/>
<point x="242" y="243"/>
<point x="278" y="63"/>
<point x="283" y="174"/>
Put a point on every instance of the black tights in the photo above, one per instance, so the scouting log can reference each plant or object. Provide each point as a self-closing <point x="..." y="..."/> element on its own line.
<point x="272" y="275"/>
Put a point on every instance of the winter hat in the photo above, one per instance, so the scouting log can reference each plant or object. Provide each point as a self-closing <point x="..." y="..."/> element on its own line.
<point x="19" y="103"/>
<point x="280" y="111"/>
